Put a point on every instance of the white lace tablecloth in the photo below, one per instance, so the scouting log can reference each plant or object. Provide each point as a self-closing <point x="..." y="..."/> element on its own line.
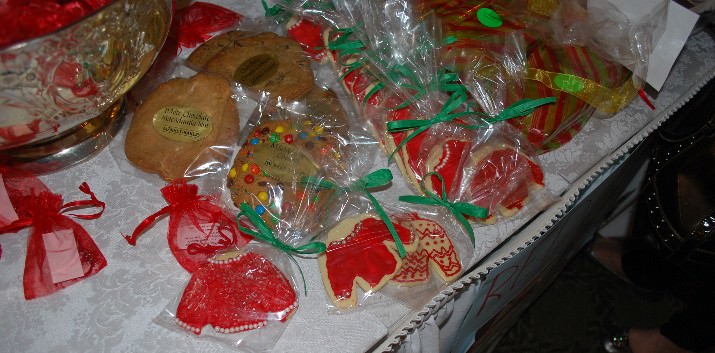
<point x="115" y="310"/>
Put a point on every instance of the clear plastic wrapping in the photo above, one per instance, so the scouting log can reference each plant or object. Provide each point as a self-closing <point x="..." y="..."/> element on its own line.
<point x="243" y="298"/>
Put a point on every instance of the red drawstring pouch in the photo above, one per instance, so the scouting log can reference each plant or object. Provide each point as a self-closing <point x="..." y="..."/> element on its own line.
<point x="198" y="227"/>
<point x="59" y="252"/>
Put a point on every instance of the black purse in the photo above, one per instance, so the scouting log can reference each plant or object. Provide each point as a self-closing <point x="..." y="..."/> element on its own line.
<point x="677" y="205"/>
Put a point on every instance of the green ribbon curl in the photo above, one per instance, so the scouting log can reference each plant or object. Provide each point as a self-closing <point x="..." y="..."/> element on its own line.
<point x="459" y="209"/>
<point x="265" y="233"/>
<point x="445" y="114"/>
<point x="377" y="179"/>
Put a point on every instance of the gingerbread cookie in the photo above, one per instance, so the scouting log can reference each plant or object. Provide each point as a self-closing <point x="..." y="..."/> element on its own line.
<point x="434" y="253"/>
<point x="235" y="293"/>
<point x="180" y="120"/>
<point x="266" y="63"/>
<point x="360" y="252"/>
<point x="268" y="170"/>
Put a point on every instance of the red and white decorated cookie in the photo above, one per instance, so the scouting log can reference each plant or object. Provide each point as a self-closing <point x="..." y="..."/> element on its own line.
<point x="235" y="293"/>
<point x="435" y="253"/>
<point x="360" y="252"/>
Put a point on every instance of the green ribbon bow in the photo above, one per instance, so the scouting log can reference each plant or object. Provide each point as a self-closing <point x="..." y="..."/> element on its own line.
<point x="459" y="209"/>
<point x="377" y="179"/>
<point x="265" y="233"/>
<point x="446" y="114"/>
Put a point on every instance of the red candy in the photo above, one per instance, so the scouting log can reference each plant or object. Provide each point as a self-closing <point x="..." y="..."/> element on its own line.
<point x="288" y="138"/>
<point x="248" y="179"/>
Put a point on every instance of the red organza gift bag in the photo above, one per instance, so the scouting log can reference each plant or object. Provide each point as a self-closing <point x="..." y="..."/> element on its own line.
<point x="198" y="227"/>
<point x="59" y="251"/>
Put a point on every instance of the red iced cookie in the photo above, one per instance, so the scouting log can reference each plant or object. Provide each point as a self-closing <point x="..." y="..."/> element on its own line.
<point x="236" y="294"/>
<point x="361" y="252"/>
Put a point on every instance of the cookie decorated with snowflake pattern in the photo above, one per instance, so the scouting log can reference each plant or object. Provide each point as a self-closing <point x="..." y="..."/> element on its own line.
<point x="434" y="254"/>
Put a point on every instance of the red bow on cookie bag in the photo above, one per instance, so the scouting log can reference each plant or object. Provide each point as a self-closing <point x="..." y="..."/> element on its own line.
<point x="198" y="227"/>
<point x="59" y="251"/>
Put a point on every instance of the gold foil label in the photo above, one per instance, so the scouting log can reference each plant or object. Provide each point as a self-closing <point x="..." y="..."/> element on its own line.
<point x="283" y="162"/>
<point x="182" y="124"/>
<point x="256" y="69"/>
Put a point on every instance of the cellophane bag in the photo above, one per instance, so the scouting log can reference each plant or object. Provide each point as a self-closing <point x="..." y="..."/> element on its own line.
<point x="285" y="142"/>
<point x="183" y="122"/>
<point x="242" y="297"/>
<point x="581" y="80"/>
<point x="199" y="225"/>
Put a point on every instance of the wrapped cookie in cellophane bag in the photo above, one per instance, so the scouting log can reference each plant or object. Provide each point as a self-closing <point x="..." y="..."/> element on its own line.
<point x="243" y="297"/>
<point x="199" y="225"/>
<point x="285" y="142"/>
<point x="365" y="247"/>
<point x="185" y="128"/>
<point x="258" y="61"/>
<point x="444" y="250"/>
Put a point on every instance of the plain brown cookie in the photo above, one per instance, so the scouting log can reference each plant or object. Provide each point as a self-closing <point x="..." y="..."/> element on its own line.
<point x="178" y="121"/>
<point x="201" y="55"/>
<point x="266" y="63"/>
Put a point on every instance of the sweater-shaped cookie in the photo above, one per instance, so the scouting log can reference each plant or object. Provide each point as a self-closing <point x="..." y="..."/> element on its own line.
<point x="360" y="253"/>
<point x="236" y="294"/>
<point x="435" y="253"/>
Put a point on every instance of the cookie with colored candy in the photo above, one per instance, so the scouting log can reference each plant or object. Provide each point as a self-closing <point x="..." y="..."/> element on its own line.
<point x="360" y="252"/>
<point x="266" y="62"/>
<point x="434" y="254"/>
<point x="235" y="293"/>
<point x="179" y="121"/>
<point x="268" y="169"/>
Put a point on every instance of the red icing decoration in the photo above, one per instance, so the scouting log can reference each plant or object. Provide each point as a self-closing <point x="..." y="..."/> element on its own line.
<point x="236" y="295"/>
<point x="309" y="36"/>
<point x="364" y="257"/>
<point x="503" y="178"/>
<point x="434" y="248"/>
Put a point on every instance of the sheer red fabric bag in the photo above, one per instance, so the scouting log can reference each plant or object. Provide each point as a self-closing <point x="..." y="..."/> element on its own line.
<point x="59" y="251"/>
<point x="198" y="226"/>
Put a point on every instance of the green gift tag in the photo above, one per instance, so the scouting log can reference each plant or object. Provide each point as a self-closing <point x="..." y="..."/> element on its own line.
<point x="489" y="17"/>
<point x="569" y="83"/>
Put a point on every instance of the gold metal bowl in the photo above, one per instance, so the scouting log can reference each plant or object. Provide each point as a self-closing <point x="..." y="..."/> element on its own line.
<point x="62" y="94"/>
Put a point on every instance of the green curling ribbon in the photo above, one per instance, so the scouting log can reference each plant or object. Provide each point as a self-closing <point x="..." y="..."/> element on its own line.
<point x="264" y="233"/>
<point x="377" y="179"/>
<point x="459" y="209"/>
<point x="446" y="114"/>
<point x="280" y="15"/>
<point x="523" y="107"/>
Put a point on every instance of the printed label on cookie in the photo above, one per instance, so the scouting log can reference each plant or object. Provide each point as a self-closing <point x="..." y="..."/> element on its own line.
<point x="256" y="69"/>
<point x="283" y="162"/>
<point x="182" y="124"/>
